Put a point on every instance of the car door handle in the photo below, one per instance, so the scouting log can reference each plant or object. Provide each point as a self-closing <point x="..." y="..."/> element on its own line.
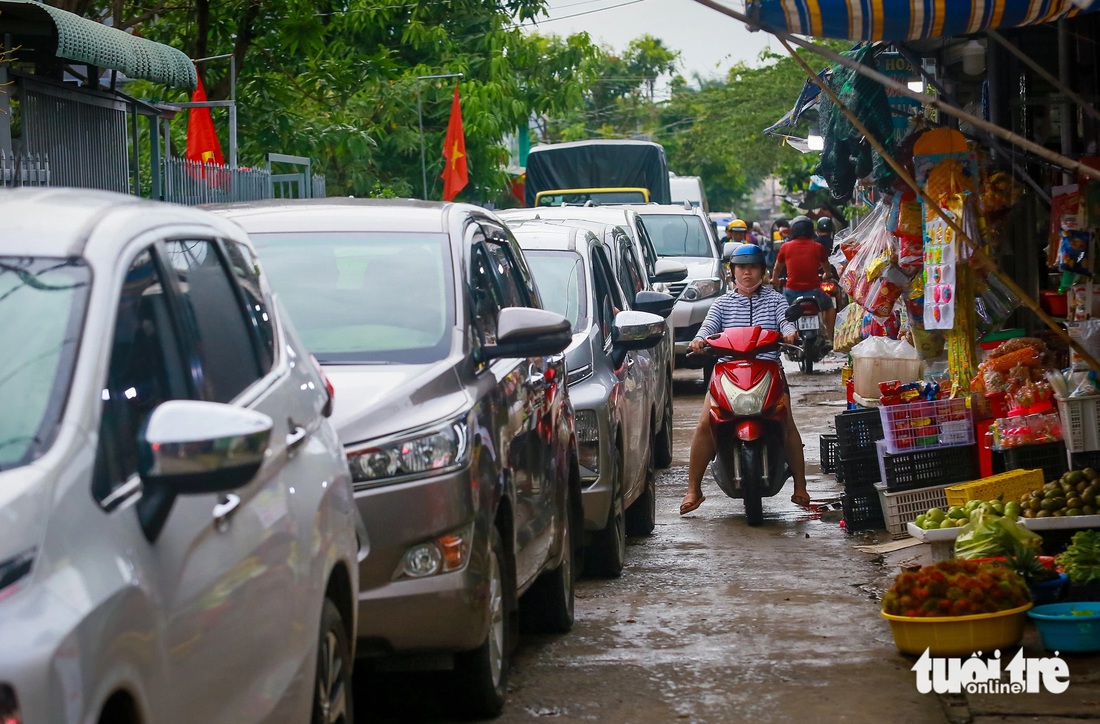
<point x="296" y="437"/>
<point x="224" y="510"/>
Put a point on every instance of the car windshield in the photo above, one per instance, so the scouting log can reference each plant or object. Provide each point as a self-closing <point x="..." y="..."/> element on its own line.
<point x="577" y="198"/>
<point x="42" y="304"/>
<point x="678" y="234"/>
<point x="560" y="278"/>
<point x="365" y="297"/>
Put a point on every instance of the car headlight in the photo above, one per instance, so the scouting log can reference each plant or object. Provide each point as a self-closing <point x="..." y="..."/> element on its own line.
<point x="701" y="289"/>
<point x="444" y="448"/>
<point x="580" y="374"/>
<point x="750" y="401"/>
<point x="587" y="429"/>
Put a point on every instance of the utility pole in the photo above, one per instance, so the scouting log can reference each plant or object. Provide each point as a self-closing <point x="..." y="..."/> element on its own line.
<point x="420" y="118"/>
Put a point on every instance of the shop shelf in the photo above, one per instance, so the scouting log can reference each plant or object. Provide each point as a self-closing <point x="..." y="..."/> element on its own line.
<point x="829" y="444"/>
<point x="1080" y="423"/>
<point x="921" y="468"/>
<point x="857" y="432"/>
<point x="901" y="508"/>
<point x="927" y="425"/>
<point x="862" y="509"/>
<point x="1010" y="486"/>
<point x="1050" y="457"/>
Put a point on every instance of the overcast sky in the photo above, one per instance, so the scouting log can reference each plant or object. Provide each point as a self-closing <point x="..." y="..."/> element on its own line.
<point x="709" y="42"/>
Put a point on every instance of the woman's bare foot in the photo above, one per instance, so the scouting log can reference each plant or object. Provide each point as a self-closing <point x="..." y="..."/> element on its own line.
<point x="691" y="502"/>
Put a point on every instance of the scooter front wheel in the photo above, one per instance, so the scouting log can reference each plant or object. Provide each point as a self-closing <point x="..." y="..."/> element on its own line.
<point x="752" y="480"/>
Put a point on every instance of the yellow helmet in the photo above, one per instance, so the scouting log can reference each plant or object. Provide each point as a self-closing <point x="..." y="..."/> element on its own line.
<point x="737" y="225"/>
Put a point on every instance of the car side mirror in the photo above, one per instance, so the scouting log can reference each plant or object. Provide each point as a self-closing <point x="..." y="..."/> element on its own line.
<point x="657" y="303"/>
<point x="637" y="330"/>
<point x="727" y="250"/>
<point x="528" y="332"/>
<point x="189" y="447"/>
<point x="667" y="271"/>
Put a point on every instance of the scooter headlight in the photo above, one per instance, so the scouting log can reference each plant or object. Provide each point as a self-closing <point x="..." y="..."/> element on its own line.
<point x="747" y="402"/>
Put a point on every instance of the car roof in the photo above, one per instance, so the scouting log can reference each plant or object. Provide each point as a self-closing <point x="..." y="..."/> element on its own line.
<point x="540" y="236"/>
<point x="671" y="209"/>
<point x="57" y="222"/>
<point x="340" y="214"/>
<point x="606" y="214"/>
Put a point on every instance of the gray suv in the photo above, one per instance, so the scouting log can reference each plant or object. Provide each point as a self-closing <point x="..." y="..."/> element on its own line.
<point x="180" y="541"/>
<point x="613" y="380"/>
<point x="687" y="236"/>
<point x="452" y="404"/>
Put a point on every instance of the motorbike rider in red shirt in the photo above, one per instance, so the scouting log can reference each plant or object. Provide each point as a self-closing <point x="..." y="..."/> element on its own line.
<point x="804" y="262"/>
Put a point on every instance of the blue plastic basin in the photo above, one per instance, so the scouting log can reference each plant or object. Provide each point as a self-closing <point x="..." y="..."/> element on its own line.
<point x="1062" y="630"/>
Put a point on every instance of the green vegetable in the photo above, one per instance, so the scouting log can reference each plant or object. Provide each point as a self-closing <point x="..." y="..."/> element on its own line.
<point x="1081" y="559"/>
<point x="989" y="535"/>
<point x="1079" y="612"/>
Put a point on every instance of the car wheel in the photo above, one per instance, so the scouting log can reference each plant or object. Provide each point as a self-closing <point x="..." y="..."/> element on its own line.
<point x="483" y="672"/>
<point x="547" y="607"/>
<point x="641" y="516"/>
<point x="332" y="695"/>
<point x="663" y="449"/>
<point x="606" y="555"/>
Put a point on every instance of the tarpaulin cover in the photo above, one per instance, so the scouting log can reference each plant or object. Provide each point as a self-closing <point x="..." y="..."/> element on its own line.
<point x="909" y="19"/>
<point x="598" y="164"/>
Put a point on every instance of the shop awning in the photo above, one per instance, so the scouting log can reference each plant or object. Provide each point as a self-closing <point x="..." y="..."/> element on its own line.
<point x="41" y="28"/>
<point x="909" y="19"/>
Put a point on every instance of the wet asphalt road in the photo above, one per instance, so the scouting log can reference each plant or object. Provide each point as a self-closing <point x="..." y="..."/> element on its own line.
<point x="713" y="621"/>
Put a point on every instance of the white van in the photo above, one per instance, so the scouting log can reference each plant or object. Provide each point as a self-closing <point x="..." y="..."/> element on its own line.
<point x="688" y="188"/>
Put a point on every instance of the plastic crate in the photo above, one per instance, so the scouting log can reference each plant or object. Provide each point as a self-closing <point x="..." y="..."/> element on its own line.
<point x="862" y="510"/>
<point x="829" y="444"/>
<point x="1050" y="457"/>
<point x="927" y="425"/>
<point x="857" y="432"/>
<point x="1080" y="423"/>
<point x="904" y="507"/>
<point x="1082" y="460"/>
<point x="922" y="468"/>
<point x="859" y="471"/>
<point x="1010" y="486"/>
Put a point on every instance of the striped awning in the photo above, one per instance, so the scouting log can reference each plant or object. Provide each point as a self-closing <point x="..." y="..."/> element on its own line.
<point x="909" y="19"/>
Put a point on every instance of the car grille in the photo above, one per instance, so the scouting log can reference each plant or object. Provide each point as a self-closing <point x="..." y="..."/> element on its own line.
<point x="686" y="334"/>
<point x="676" y="289"/>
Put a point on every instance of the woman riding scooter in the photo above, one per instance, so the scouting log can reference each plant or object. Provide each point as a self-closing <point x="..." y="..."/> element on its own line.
<point x="750" y="303"/>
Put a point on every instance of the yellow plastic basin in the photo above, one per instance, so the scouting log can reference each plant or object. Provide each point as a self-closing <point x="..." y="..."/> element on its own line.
<point x="958" y="635"/>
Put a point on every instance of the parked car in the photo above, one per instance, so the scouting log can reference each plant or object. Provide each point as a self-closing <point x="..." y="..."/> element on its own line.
<point x="687" y="236"/>
<point x="180" y="538"/>
<point x="613" y="382"/>
<point x="637" y="268"/>
<point x="452" y="405"/>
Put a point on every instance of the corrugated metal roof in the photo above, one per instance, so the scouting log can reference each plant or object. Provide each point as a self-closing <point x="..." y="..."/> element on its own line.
<point x="86" y="41"/>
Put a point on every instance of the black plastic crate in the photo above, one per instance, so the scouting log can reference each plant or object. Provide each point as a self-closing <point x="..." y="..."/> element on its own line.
<point x="922" y="468"/>
<point x="857" y="431"/>
<point x="828" y="446"/>
<point x="862" y="510"/>
<point x="1050" y="457"/>
<point x="1082" y="460"/>
<point x="858" y="471"/>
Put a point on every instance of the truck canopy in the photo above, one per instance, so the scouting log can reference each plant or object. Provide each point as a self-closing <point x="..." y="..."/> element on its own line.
<point x="598" y="164"/>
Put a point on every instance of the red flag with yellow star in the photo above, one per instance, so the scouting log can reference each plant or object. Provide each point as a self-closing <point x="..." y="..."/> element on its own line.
<point x="202" y="140"/>
<point x="455" y="173"/>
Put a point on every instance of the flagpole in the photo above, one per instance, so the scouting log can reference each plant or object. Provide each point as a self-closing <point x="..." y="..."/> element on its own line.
<point x="420" y="119"/>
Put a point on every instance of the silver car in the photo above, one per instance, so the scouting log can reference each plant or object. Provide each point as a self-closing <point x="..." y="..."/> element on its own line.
<point x="612" y="377"/>
<point x="687" y="236"/>
<point x="452" y="404"/>
<point x="180" y="540"/>
<point x="637" y="268"/>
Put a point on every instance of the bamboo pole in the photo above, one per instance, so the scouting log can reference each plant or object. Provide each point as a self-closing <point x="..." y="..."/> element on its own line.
<point x="978" y="255"/>
<point x="1045" y="74"/>
<point x="900" y="88"/>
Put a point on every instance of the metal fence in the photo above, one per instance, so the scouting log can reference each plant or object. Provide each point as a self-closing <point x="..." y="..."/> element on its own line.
<point x="23" y="170"/>
<point x="190" y="182"/>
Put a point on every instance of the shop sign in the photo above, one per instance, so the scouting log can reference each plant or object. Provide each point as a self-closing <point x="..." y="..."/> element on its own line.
<point x="902" y="107"/>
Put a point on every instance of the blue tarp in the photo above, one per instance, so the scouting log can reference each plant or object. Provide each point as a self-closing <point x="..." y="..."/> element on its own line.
<point x="909" y="19"/>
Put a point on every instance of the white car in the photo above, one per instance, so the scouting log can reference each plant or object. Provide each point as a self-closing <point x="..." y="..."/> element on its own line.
<point x="180" y="540"/>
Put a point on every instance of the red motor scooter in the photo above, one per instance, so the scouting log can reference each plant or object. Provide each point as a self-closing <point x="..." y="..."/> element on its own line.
<point x="747" y="417"/>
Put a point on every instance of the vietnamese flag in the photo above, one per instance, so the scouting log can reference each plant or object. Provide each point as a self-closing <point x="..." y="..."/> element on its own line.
<point x="455" y="174"/>
<point x="202" y="141"/>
